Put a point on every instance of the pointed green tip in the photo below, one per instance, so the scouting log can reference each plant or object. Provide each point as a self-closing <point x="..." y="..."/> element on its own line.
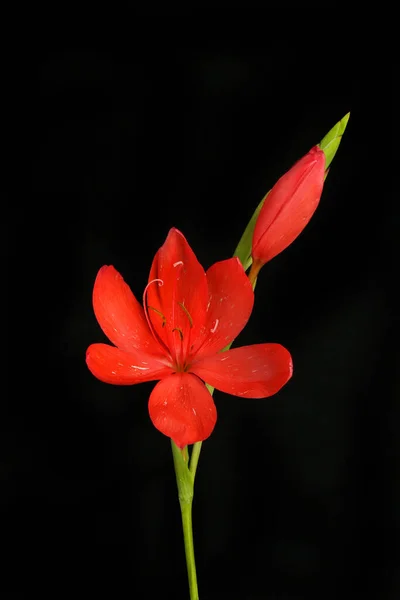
<point x="330" y="143"/>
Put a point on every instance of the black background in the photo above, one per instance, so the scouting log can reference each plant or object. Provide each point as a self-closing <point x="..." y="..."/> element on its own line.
<point x="297" y="496"/>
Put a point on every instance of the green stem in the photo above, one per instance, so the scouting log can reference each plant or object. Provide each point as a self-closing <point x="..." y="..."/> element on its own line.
<point x="254" y="271"/>
<point x="185" y="483"/>
<point x="194" y="458"/>
<point x="185" y="470"/>
<point x="186" y="510"/>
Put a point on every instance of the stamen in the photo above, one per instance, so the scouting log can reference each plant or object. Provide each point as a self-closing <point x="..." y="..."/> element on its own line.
<point x="164" y="320"/>
<point x="146" y="312"/>
<point x="213" y="330"/>
<point x="178" y="262"/>
<point x="185" y="310"/>
<point x="179" y="330"/>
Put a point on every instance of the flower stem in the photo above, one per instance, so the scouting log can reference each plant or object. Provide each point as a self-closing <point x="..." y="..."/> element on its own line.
<point x="186" y="510"/>
<point x="255" y="269"/>
<point x="194" y="458"/>
<point x="185" y="483"/>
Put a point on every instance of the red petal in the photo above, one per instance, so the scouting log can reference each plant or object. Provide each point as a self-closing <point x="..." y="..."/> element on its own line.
<point x="182" y="408"/>
<point x="112" y="365"/>
<point x="231" y="300"/>
<point x="289" y="206"/>
<point x="177" y="308"/>
<point x="119" y="314"/>
<point x="254" y="371"/>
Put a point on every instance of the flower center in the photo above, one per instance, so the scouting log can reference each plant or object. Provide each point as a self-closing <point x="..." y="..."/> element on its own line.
<point x="176" y="341"/>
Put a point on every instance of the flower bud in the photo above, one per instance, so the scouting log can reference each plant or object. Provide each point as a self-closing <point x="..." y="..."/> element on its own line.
<point x="288" y="207"/>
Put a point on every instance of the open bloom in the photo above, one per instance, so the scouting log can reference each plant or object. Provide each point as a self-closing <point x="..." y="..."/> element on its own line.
<point x="188" y="317"/>
<point x="288" y="207"/>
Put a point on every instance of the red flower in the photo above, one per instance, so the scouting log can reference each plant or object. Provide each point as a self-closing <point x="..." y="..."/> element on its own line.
<point x="189" y="316"/>
<point x="288" y="207"/>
